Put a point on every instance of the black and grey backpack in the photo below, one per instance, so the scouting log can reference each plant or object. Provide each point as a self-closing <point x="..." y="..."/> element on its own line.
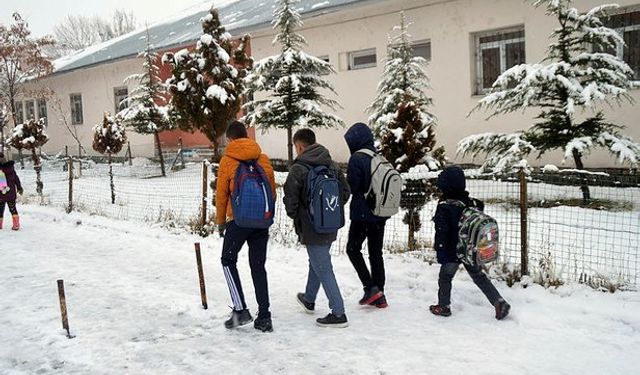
<point x="478" y="236"/>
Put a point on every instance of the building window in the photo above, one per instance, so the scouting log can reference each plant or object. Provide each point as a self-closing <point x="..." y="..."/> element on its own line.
<point x="496" y="52"/>
<point x="628" y="26"/>
<point x="30" y="109"/>
<point x="19" y="113"/>
<point x="422" y="49"/>
<point x="119" y="96"/>
<point x="362" y="59"/>
<point x="324" y="58"/>
<point x="42" y="110"/>
<point x="76" y="109"/>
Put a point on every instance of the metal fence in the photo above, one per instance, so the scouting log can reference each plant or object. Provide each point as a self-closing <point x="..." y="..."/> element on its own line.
<point x="546" y="225"/>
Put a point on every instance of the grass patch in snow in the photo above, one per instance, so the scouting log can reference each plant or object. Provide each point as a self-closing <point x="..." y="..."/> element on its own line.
<point x="594" y="204"/>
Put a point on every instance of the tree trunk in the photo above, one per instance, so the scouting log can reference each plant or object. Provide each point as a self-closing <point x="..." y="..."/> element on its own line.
<point x="586" y="194"/>
<point x="113" y="190"/>
<point x="215" y="158"/>
<point x="290" y="144"/>
<point x="37" y="167"/>
<point x="159" y="147"/>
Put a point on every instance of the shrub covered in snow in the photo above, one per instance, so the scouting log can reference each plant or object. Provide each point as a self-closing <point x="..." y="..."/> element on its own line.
<point x="292" y="82"/>
<point x="108" y="138"/>
<point x="30" y="136"/>
<point x="578" y="72"/>
<point x="400" y="114"/>
<point x="206" y="85"/>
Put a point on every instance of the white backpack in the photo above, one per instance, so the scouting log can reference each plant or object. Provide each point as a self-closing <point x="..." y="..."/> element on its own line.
<point x="384" y="192"/>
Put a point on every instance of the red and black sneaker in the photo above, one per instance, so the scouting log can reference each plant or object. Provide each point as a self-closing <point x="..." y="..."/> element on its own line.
<point x="371" y="295"/>
<point x="502" y="309"/>
<point x="381" y="303"/>
<point x="440" y="310"/>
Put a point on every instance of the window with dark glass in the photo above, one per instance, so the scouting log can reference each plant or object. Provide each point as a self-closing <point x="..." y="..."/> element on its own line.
<point x="119" y="96"/>
<point x="19" y="113"/>
<point x="422" y="49"/>
<point x="76" y="109"/>
<point x="362" y="59"/>
<point x="627" y="24"/>
<point x="42" y="110"/>
<point x="30" y="109"/>
<point x="496" y="52"/>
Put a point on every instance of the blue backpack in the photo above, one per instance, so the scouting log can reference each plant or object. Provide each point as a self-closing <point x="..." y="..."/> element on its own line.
<point x="326" y="211"/>
<point x="252" y="200"/>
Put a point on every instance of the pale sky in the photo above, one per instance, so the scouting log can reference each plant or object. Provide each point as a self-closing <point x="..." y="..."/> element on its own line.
<point x="43" y="15"/>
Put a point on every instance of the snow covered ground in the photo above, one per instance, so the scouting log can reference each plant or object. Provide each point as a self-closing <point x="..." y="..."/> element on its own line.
<point x="134" y="307"/>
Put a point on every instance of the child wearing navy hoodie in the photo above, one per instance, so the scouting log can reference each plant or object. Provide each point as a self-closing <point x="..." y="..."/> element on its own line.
<point x="452" y="185"/>
<point x="9" y="188"/>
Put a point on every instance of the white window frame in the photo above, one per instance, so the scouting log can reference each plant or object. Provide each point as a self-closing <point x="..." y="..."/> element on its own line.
<point x="74" y="120"/>
<point x="620" y="46"/>
<point x="502" y="44"/>
<point x="360" y="53"/>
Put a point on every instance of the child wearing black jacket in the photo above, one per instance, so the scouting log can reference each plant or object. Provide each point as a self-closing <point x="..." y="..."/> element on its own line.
<point x="452" y="184"/>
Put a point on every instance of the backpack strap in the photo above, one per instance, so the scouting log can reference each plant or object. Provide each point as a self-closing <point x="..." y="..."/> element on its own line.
<point x="366" y="151"/>
<point x="454" y="202"/>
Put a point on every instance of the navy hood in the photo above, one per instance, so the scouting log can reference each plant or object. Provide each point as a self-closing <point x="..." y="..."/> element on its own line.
<point x="359" y="136"/>
<point x="452" y="180"/>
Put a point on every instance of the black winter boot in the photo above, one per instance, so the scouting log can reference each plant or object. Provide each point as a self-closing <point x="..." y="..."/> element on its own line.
<point x="238" y="318"/>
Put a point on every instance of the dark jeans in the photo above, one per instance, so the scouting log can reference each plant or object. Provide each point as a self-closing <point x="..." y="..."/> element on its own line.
<point x="374" y="233"/>
<point x="257" y="239"/>
<point x="448" y="271"/>
<point x="12" y="208"/>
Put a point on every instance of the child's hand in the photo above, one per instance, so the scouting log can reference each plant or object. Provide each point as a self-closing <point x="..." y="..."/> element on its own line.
<point x="20" y="191"/>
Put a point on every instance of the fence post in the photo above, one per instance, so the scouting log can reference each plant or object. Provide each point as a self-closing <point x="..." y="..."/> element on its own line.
<point x="79" y="160"/>
<point x="129" y="153"/>
<point x="524" y="202"/>
<point x="70" y="168"/>
<point x="203" y="290"/>
<point x="63" y="308"/>
<point x="205" y="187"/>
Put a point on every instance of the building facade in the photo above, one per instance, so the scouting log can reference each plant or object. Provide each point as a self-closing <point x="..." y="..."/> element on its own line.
<point x="468" y="44"/>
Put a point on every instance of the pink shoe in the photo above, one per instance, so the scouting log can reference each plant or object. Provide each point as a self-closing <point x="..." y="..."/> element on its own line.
<point x="16" y="222"/>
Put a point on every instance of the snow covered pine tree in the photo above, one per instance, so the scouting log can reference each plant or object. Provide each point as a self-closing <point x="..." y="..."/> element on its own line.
<point x="144" y="114"/>
<point x="108" y="138"/>
<point x="292" y="80"/>
<point x="30" y="136"/>
<point x="402" y="122"/>
<point x="206" y="85"/>
<point x="577" y="72"/>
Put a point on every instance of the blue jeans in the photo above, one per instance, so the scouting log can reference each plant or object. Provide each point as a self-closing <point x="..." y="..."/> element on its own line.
<point x="321" y="273"/>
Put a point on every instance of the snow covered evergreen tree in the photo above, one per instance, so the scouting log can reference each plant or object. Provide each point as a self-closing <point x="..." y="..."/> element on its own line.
<point x="292" y="82"/>
<point x="402" y="122"/>
<point x="145" y="114"/>
<point x="30" y="136"/>
<point x="577" y="72"/>
<point x="400" y="114"/>
<point x="108" y="139"/>
<point x="206" y="86"/>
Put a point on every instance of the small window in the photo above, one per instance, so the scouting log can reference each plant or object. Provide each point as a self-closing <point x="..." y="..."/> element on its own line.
<point x="422" y="49"/>
<point x="76" y="109"/>
<point x="628" y="26"/>
<point x="119" y="96"/>
<point x="19" y="113"/>
<point x="362" y="59"/>
<point x="496" y="52"/>
<point x="42" y="110"/>
<point x="30" y="109"/>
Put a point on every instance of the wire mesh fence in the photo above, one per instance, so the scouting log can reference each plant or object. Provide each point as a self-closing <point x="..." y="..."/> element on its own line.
<point x="567" y="235"/>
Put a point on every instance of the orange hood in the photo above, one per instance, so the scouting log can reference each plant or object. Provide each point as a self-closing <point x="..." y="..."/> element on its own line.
<point x="243" y="149"/>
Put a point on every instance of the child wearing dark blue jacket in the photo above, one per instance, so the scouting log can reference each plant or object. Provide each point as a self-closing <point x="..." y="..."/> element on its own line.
<point x="452" y="185"/>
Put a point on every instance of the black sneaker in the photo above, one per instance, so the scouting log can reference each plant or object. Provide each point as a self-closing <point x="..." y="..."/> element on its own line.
<point x="308" y="307"/>
<point x="238" y="318"/>
<point x="502" y="309"/>
<point x="263" y="324"/>
<point x="440" y="310"/>
<point x="333" y="321"/>
<point x="370" y="295"/>
<point x="381" y="303"/>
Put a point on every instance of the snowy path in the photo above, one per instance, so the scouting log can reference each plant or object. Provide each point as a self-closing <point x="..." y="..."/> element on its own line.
<point x="134" y="307"/>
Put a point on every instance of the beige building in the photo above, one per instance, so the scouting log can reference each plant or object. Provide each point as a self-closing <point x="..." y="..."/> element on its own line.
<point x="468" y="43"/>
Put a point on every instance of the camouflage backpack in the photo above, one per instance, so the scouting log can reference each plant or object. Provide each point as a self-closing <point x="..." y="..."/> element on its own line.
<point x="478" y="236"/>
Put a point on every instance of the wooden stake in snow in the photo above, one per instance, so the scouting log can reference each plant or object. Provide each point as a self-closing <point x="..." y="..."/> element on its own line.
<point x="203" y="291"/>
<point x="63" y="308"/>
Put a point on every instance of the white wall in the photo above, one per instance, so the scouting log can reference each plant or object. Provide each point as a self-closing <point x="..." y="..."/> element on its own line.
<point x="96" y="85"/>
<point x="449" y="25"/>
